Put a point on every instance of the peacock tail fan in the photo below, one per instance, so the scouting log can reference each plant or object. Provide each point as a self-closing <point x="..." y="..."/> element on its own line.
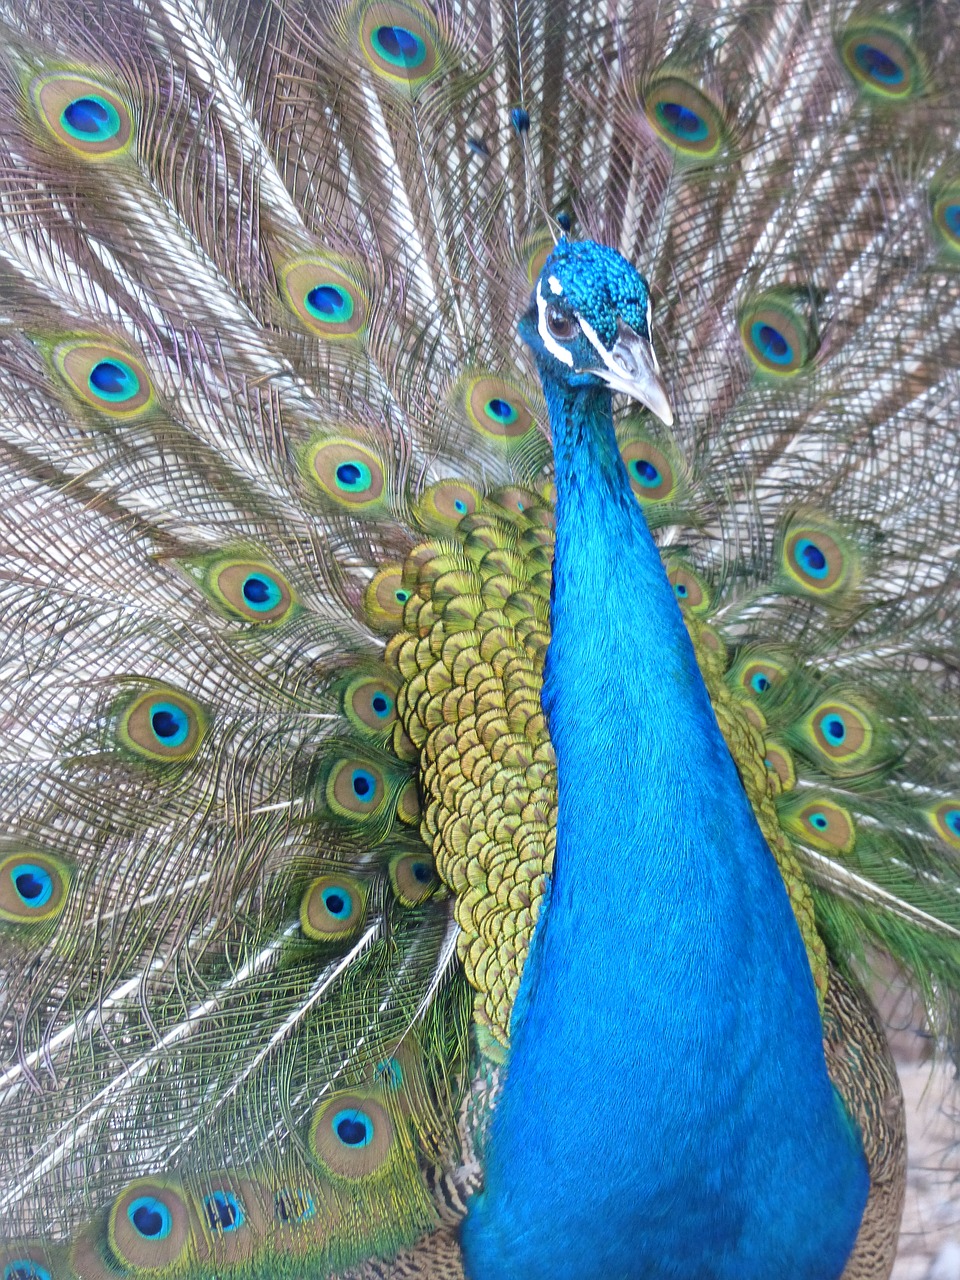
<point x="276" y="509"/>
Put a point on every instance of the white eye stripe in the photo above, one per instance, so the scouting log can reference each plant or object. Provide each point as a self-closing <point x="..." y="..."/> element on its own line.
<point x="556" y="287"/>
<point x="551" y="344"/>
<point x="593" y="338"/>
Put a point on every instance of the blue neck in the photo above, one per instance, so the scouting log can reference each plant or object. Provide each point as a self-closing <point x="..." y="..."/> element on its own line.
<point x="666" y="1074"/>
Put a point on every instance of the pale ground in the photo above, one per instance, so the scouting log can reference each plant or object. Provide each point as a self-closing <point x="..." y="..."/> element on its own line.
<point x="930" y="1236"/>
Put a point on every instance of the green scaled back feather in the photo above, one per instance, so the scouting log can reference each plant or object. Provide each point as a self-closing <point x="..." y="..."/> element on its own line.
<point x="277" y="798"/>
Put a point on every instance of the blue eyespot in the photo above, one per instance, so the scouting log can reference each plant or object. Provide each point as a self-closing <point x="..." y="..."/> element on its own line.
<point x="294" y="1205"/>
<point x="353" y="1128"/>
<point x="382" y="705"/>
<point x="770" y="343"/>
<point x="818" y="820"/>
<point x="33" y="884"/>
<point x="682" y="121"/>
<point x="398" y="45"/>
<point x="422" y="872"/>
<point x="224" y="1211"/>
<point x="834" y="728"/>
<point x="329" y="302"/>
<point x="645" y="473"/>
<point x="170" y="724"/>
<point x="260" y="593"/>
<point x="759" y="683"/>
<point x="460" y="506"/>
<point x="681" y="589"/>
<point x="354" y="477"/>
<point x="150" y="1218"/>
<point x="951" y="217"/>
<point x="811" y="559"/>
<point x="401" y="595"/>
<point x="952" y="819"/>
<point x="91" y="119"/>
<point x="111" y="380"/>
<point x="25" y="1269"/>
<point x="338" y="902"/>
<point x="501" y="410"/>
<point x="364" y="785"/>
<point x="877" y="65"/>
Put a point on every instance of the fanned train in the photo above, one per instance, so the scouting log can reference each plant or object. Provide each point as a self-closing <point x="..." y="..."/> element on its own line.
<point x="446" y="829"/>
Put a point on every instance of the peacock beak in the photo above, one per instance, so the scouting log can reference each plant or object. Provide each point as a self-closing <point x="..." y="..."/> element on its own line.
<point x="630" y="366"/>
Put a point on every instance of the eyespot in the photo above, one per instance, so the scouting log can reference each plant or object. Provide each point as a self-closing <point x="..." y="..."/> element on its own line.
<point x="223" y="1211"/>
<point x="944" y="817"/>
<point x="250" y="590"/>
<point x="496" y="409"/>
<point x="23" y="1266"/>
<point x="33" y="887"/>
<point x="408" y="803"/>
<point x="946" y="214"/>
<point x="758" y="672"/>
<point x="841" y="735"/>
<point x="560" y="325"/>
<point x="149" y="1225"/>
<point x="691" y="590"/>
<point x="234" y="1214"/>
<point x="776" y="334"/>
<point x="107" y="379"/>
<point x="400" y="43"/>
<point x="294" y="1205"/>
<point x="370" y="703"/>
<point x="352" y="1136"/>
<point x="818" y="559"/>
<point x="348" y="472"/>
<point x="413" y="877"/>
<point x="355" y="787"/>
<point x="821" y="823"/>
<point x="162" y="724"/>
<point x="779" y="761"/>
<point x="333" y="907"/>
<point x="684" y="118"/>
<point x="83" y="115"/>
<point x="323" y="294"/>
<point x="883" y="60"/>
<point x="385" y="598"/>
<point x="652" y="476"/>
<point x="444" y="505"/>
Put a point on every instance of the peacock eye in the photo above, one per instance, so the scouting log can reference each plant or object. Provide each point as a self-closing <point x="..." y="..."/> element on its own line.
<point x="560" y="325"/>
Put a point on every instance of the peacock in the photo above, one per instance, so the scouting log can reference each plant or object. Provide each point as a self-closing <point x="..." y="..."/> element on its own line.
<point x="481" y="687"/>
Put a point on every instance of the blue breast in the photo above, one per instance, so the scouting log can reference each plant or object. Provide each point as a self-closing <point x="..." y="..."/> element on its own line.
<point x="666" y="1110"/>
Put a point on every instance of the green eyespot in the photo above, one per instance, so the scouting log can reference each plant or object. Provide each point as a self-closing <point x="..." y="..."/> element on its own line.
<point x="85" y="116"/>
<point x="250" y="590"/>
<point x="400" y="42"/>
<point x="104" y="377"/>
<point x="347" y="472"/>
<point x="778" y="333"/>
<point x="162" y="724"/>
<point x="149" y="1226"/>
<point x="333" y="908"/>
<point x="352" y="1135"/>
<point x="683" y="117"/>
<point x="883" y="59"/>
<point x="325" y="296"/>
<point x="33" y="887"/>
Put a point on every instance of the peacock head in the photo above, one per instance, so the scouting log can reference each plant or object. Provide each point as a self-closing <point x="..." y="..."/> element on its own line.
<point x="589" y="325"/>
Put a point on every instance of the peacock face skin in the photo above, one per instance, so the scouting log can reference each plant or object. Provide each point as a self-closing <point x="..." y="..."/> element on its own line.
<point x="589" y="325"/>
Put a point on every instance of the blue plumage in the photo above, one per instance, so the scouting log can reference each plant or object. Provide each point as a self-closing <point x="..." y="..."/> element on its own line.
<point x="666" y="1080"/>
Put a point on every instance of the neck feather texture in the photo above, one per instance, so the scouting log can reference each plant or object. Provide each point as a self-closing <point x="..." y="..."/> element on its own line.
<point x="666" y="1109"/>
